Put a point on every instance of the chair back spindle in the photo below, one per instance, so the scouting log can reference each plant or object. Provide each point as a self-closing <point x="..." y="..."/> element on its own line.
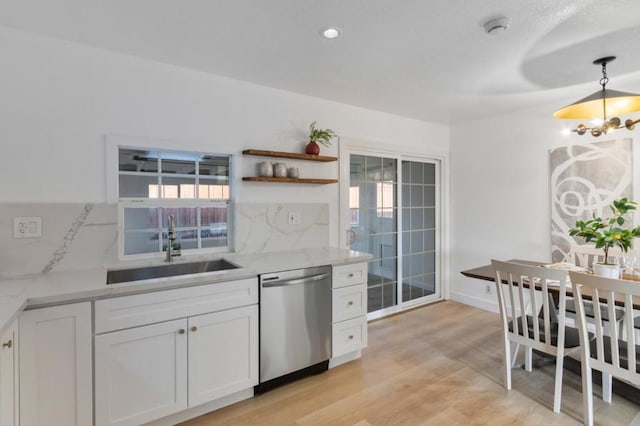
<point x="528" y="315"/>
<point x="608" y="352"/>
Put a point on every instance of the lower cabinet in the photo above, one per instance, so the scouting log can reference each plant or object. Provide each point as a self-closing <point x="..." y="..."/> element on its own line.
<point x="141" y="373"/>
<point x="9" y="377"/>
<point x="349" y="309"/>
<point x="223" y="354"/>
<point x="149" y="372"/>
<point x="55" y="366"/>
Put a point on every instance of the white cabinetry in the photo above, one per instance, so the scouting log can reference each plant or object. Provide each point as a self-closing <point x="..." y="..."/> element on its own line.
<point x="9" y="377"/>
<point x="223" y="353"/>
<point x="176" y="353"/>
<point x="55" y="366"/>
<point x="349" y="309"/>
<point x="141" y="373"/>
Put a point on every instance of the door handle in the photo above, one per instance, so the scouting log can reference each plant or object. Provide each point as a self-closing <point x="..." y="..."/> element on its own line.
<point x="296" y="281"/>
<point x="351" y="236"/>
<point x="8" y="344"/>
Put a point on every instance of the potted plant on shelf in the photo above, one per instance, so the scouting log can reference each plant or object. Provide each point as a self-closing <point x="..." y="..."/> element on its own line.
<point x="316" y="136"/>
<point x="607" y="233"/>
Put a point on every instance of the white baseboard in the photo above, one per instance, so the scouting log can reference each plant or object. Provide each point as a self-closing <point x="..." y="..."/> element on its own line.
<point x="202" y="409"/>
<point x="334" y="362"/>
<point x="474" y="301"/>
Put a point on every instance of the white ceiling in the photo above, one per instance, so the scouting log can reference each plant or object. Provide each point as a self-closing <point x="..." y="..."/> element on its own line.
<point x="425" y="59"/>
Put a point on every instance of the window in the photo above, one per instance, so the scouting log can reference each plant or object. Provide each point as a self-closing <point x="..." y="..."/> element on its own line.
<point x="191" y="187"/>
<point x="384" y="199"/>
<point x="354" y="205"/>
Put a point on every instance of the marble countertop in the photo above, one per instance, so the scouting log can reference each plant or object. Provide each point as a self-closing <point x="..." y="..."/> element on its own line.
<point x="90" y="284"/>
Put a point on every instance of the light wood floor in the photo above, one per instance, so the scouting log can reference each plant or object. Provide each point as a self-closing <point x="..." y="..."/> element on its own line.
<point x="437" y="365"/>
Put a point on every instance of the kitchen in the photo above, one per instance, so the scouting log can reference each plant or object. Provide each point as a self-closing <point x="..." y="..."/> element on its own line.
<point x="63" y="99"/>
<point x="80" y="220"/>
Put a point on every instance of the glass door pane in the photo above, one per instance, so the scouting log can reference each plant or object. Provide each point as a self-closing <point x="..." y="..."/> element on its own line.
<point x="379" y="217"/>
<point x="418" y="230"/>
<point x="373" y="221"/>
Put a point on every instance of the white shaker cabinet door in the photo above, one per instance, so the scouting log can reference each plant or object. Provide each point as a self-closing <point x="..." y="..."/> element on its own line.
<point x="141" y="373"/>
<point x="55" y="366"/>
<point x="223" y="353"/>
<point x="9" y="377"/>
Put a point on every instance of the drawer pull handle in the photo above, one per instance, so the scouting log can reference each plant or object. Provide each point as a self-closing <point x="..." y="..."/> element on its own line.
<point x="351" y="275"/>
<point x="8" y="344"/>
<point x="194" y="328"/>
<point x="181" y="331"/>
<point x="350" y="303"/>
<point x="351" y="337"/>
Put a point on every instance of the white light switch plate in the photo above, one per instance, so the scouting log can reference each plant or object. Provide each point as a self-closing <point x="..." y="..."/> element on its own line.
<point x="27" y="227"/>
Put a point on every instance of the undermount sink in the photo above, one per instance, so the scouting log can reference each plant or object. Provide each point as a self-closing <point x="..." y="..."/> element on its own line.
<point x="169" y="270"/>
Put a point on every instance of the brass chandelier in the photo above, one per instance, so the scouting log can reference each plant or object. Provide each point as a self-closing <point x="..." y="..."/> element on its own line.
<point x="601" y="104"/>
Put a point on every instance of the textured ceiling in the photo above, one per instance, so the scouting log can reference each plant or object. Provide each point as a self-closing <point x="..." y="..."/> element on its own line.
<point x="425" y="59"/>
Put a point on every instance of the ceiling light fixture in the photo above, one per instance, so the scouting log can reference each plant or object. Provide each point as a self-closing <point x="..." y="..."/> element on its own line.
<point x="600" y="104"/>
<point x="331" y="33"/>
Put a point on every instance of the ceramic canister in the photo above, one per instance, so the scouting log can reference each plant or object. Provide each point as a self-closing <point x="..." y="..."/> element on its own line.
<point x="265" y="168"/>
<point x="293" y="172"/>
<point x="280" y="170"/>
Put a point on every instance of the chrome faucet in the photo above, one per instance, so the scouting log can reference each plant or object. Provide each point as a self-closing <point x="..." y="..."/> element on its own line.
<point x="171" y="237"/>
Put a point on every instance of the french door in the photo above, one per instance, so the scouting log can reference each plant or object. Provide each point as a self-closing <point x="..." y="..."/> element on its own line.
<point x="393" y="213"/>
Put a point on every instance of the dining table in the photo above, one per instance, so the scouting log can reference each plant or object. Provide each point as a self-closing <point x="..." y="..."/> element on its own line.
<point x="487" y="273"/>
<point x="630" y="392"/>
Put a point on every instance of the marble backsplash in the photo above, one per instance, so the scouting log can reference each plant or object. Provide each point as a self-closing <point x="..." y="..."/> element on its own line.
<point x="74" y="236"/>
<point x="262" y="228"/>
<point x="82" y="236"/>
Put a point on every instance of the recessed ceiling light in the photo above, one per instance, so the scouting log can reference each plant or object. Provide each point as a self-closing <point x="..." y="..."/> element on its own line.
<point x="331" y="33"/>
<point x="496" y="26"/>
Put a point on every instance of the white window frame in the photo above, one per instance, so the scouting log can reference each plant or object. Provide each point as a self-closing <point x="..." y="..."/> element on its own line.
<point x="114" y="143"/>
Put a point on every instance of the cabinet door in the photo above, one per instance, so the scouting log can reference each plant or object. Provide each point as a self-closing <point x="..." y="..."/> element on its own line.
<point x="55" y="366"/>
<point x="223" y="353"/>
<point x="9" y="377"/>
<point x="141" y="373"/>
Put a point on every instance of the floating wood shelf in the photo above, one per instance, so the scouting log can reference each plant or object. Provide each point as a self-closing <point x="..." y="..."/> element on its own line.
<point x="292" y="155"/>
<point x="288" y="180"/>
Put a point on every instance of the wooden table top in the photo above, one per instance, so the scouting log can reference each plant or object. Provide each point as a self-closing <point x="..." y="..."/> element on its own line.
<point x="486" y="273"/>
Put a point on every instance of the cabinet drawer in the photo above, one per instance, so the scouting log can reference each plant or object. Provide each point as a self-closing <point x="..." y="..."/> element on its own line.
<point x="140" y="309"/>
<point x="349" y="336"/>
<point x="349" y="302"/>
<point x="346" y="275"/>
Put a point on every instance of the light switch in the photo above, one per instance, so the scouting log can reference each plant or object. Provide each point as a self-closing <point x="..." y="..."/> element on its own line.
<point x="27" y="227"/>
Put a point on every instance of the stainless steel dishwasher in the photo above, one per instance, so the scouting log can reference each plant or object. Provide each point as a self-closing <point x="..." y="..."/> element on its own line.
<point x="295" y="325"/>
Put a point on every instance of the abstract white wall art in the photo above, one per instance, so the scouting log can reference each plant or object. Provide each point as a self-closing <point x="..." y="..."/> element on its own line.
<point x="586" y="179"/>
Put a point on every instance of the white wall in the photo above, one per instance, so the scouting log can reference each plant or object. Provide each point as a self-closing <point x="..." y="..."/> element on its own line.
<point x="500" y="193"/>
<point x="59" y="99"/>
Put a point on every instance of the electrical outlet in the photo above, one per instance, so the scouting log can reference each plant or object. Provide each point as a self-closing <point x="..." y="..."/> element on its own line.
<point x="293" y="218"/>
<point x="27" y="227"/>
<point x="488" y="288"/>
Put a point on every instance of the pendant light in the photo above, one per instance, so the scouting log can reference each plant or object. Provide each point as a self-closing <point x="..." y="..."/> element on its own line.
<point x="602" y="104"/>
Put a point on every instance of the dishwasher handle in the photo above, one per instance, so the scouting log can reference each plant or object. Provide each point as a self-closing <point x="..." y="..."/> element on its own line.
<point x="296" y="281"/>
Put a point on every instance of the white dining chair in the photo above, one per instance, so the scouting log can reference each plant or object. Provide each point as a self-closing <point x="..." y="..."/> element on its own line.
<point x="530" y="321"/>
<point x="607" y="352"/>
<point x="585" y="256"/>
